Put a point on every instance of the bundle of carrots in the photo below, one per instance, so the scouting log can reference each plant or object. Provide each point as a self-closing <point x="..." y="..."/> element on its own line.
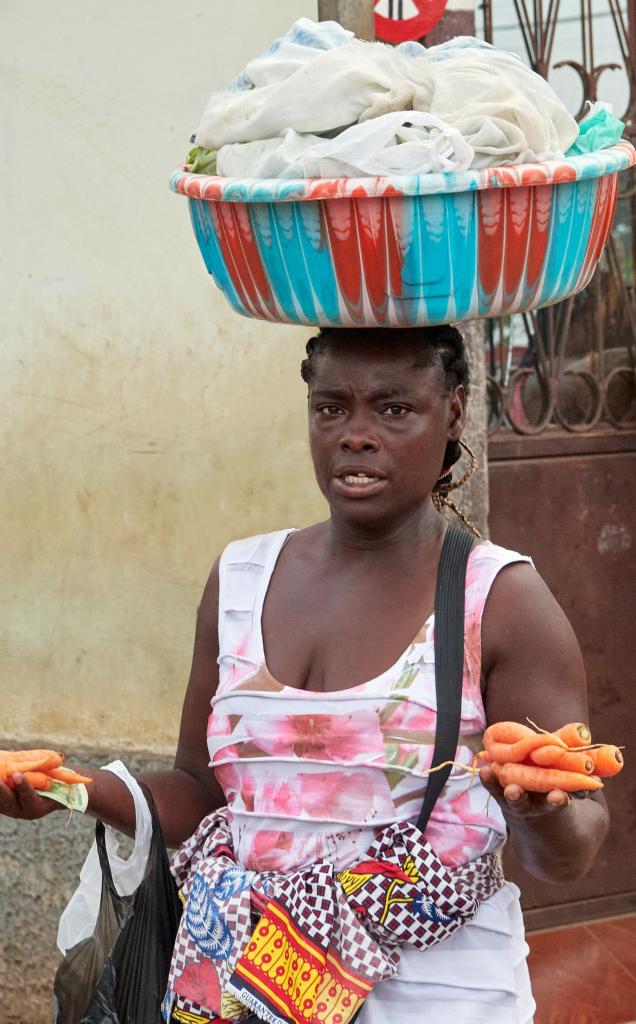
<point x="41" y="768"/>
<point x="541" y="761"/>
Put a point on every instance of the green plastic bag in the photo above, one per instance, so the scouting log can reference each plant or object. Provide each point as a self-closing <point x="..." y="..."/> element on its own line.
<point x="597" y="130"/>
<point x="201" y="160"/>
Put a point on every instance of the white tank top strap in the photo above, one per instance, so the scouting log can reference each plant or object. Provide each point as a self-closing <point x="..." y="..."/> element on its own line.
<point x="245" y="569"/>
<point x="485" y="563"/>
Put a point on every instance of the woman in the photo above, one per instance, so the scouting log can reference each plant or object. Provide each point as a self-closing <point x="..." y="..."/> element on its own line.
<point x="323" y="713"/>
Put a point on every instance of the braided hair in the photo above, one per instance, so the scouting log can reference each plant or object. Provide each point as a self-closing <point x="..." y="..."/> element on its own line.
<point x="442" y="344"/>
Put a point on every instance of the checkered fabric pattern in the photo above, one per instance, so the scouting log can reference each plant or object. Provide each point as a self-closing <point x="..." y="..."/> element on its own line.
<point x="358" y="948"/>
<point x="184" y="953"/>
<point x="406" y="895"/>
<point x="186" y="1009"/>
<point x="213" y="838"/>
<point x="435" y="903"/>
<point x="309" y="897"/>
<point x="315" y="899"/>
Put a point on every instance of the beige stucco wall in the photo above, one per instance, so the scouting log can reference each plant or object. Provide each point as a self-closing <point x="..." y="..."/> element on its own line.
<point x="144" y="423"/>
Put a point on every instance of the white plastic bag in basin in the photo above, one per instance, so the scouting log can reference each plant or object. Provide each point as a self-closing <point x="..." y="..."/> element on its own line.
<point x="401" y="142"/>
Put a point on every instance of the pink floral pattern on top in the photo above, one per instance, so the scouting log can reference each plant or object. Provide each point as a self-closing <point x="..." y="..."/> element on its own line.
<point x="313" y="776"/>
<point x="321" y="737"/>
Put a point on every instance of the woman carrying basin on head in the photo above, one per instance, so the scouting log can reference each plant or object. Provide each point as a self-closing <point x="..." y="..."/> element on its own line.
<point x="316" y="648"/>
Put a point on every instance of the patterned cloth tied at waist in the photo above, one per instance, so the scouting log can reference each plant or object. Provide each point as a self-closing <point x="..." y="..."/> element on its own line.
<point x="309" y="946"/>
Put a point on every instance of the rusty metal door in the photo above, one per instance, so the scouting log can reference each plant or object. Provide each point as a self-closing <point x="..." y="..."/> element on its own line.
<point x="572" y="510"/>
<point x="562" y="448"/>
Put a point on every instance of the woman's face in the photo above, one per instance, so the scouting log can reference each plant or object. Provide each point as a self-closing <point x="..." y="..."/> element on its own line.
<point x="378" y="427"/>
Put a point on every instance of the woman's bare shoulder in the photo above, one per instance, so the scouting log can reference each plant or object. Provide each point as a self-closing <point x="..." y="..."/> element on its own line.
<point x="531" y="658"/>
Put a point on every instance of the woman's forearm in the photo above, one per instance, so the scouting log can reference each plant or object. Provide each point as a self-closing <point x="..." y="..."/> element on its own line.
<point x="561" y="845"/>
<point x="182" y="800"/>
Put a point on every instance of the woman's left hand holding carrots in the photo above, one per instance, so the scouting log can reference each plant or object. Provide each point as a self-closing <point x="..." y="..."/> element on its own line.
<point x="554" y="835"/>
<point x="509" y="741"/>
<point x="532" y="668"/>
<point x="514" y="800"/>
<point x="535" y="772"/>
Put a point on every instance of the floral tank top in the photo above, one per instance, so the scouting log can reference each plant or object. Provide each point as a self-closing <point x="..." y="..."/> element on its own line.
<point x="312" y="776"/>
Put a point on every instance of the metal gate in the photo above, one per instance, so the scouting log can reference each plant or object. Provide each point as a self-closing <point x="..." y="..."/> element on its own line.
<point x="562" y="414"/>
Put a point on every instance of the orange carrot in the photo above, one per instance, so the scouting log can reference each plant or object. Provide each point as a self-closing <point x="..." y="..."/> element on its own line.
<point x="565" y="760"/>
<point x="506" y="732"/>
<point x="38" y="780"/>
<point x="608" y="760"/>
<point x="68" y="776"/>
<point x="18" y="756"/>
<point x="36" y="764"/>
<point x="575" y="734"/>
<point x="54" y="760"/>
<point x="484" y="756"/>
<point x="547" y="756"/>
<point x="573" y="761"/>
<point x="518" y="751"/>
<point x="544" y="780"/>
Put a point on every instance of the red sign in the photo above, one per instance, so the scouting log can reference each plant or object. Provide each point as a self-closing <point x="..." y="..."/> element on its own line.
<point x="397" y="21"/>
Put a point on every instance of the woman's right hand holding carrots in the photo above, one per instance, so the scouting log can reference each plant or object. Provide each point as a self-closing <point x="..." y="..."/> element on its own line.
<point x="23" y="772"/>
<point x="21" y="800"/>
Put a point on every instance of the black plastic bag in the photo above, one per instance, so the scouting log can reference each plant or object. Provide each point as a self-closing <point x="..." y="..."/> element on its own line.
<point x="119" y="975"/>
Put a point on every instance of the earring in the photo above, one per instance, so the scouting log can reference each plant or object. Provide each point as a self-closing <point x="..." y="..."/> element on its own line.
<point x="445" y="484"/>
<point x="445" y="481"/>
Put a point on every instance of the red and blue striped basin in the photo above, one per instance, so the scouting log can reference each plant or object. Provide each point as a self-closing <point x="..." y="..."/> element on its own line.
<point x="406" y="251"/>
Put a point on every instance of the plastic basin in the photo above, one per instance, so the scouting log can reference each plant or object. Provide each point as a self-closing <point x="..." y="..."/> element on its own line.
<point x="406" y="251"/>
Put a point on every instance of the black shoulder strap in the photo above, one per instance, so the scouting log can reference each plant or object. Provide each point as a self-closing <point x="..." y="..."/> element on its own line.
<point x="449" y="659"/>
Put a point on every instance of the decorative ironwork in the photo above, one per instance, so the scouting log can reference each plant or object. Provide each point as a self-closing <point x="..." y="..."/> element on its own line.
<point x="573" y="364"/>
